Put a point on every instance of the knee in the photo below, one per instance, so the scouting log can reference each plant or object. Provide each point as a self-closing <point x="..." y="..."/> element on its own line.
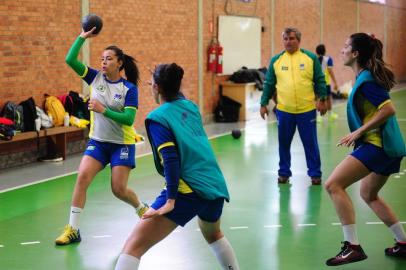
<point x="119" y="191"/>
<point x="331" y="187"/>
<point x="134" y="247"/>
<point x="213" y="236"/>
<point x="367" y="196"/>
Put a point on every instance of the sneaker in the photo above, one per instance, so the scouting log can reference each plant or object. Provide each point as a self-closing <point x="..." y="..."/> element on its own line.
<point x="51" y="158"/>
<point x="69" y="235"/>
<point x="142" y="210"/>
<point x="398" y="250"/>
<point x="349" y="253"/>
<point x="332" y="117"/>
<point x="316" y="181"/>
<point x="283" y="180"/>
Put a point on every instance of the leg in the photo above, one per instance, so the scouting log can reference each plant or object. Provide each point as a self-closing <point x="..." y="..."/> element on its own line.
<point x="146" y="234"/>
<point x="286" y="131"/>
<point x="370" y="186"/>
<point x="219" y="244"/>
<point x="119" y="181"/>
<point x="308" y="134"/>
<point x="349" y="171"/>
<point x="88" y="169"/>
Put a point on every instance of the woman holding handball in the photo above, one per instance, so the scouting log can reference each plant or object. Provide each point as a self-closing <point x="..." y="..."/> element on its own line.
<point x="113" y="104"/>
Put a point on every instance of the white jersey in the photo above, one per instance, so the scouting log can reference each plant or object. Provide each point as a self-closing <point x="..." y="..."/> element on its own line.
<point x="116" y="96"/>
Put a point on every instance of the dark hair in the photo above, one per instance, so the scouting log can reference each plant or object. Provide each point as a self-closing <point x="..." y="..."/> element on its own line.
<point x="370" y="57"/>
<point x="129" y="64"/>
<point x="321" y="49"/>
<point x="168" y="77"/>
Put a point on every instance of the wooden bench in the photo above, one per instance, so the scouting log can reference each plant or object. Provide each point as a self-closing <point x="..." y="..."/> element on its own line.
<point x="58" y="135"/>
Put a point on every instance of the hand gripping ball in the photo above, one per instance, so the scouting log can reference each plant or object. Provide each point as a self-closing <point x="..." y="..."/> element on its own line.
<point x="90" y="21"/>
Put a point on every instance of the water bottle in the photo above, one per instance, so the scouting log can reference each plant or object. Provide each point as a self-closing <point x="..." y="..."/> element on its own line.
<point x="66" y="120"/>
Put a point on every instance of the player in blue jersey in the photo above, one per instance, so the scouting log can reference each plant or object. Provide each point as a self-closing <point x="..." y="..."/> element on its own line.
<point x="195" y="185"/>
<point x="326" y="63"/>
<point x="113" y="105"/>
<point x="378" y="143"/>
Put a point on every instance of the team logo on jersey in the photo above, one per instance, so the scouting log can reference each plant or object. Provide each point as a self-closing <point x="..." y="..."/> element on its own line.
<point x="302" y="66"/>
<point x="101" y="88"/>
<point x="117" y="97"/>
<point x="284" y="68"/>
<point x="90" y="148"/>
<point x="124" y="153"/>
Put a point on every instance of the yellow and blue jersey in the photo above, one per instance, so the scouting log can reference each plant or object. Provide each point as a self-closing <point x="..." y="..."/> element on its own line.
<point x="116" y="96"/>
<point x="326" y="62"/>
<point x="368" y="100"/>
<point x="165" y="143"/>
<point x="297" y="79"/>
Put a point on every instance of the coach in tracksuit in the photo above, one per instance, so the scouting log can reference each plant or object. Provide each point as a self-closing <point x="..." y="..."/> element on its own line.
<point x="296" y="78"/>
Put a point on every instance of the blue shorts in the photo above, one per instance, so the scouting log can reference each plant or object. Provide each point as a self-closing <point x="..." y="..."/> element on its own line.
<point x="187" y="206"/>
<point x="376" y="160"/>
<point x="115" y="154"/>
<point x="328" y="88"/>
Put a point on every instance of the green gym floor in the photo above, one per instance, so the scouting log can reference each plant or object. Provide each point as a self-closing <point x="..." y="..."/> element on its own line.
<point x="271" y="226"/>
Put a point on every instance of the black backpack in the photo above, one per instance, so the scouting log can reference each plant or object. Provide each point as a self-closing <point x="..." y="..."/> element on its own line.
<point x="245" y="75"/>
<point x="227" y="110"/>
<point x="30" y="114"/>
<point x="6" y="132"/>
<point x="14" y="112"/>
<point x="79" y="106"/>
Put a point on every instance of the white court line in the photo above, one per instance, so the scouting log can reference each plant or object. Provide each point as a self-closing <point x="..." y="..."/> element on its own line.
<point x="1" y="246"/>
<point x="374" y="223"/>
<point x="30" y="243"/>
<point x="239" y="228"/>
<point x="273" y="226"/>
<point x="306" y="225"/>
<point x="102" y="236"/>
<point x="336" y="223"/>
<point x="397" y="176"/>
<point x="37" y="182"/>
<point x="402" y="222"/>
<point x="401" y="173"/>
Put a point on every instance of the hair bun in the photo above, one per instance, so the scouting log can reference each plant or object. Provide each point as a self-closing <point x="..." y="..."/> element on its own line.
<point x="175" y="72"/>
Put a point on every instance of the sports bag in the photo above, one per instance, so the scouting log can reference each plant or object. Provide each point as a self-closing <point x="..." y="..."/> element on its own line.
<point x="54" y="108"/>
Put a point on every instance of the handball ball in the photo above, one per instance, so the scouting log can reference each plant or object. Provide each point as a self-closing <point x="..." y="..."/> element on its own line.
<point x="236" y="133"/>
<point x="90" y="21"/>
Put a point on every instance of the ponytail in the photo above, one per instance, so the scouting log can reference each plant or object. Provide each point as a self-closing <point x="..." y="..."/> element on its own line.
<point x="370" y="57"/>
<point x="379" y="68"/>
<point x="169" y="78"/>
<point x="131" y="70"/>
<point x="129" y="65"/>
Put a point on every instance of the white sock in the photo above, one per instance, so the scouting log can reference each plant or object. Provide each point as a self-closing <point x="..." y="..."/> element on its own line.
<point x="224" y="254"/>
<point x="350" y="234"/>
<point x="127" y="262"/>
<point x="398" y="232"/>
<point x="75" y="217"/>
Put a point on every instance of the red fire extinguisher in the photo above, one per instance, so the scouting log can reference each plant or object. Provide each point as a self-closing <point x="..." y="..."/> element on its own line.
<point x="212" y="57"/>
<point x="219" y="62"/>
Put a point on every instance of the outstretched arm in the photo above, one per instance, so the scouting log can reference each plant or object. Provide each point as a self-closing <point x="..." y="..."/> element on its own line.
<point x="72" y="56"/>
